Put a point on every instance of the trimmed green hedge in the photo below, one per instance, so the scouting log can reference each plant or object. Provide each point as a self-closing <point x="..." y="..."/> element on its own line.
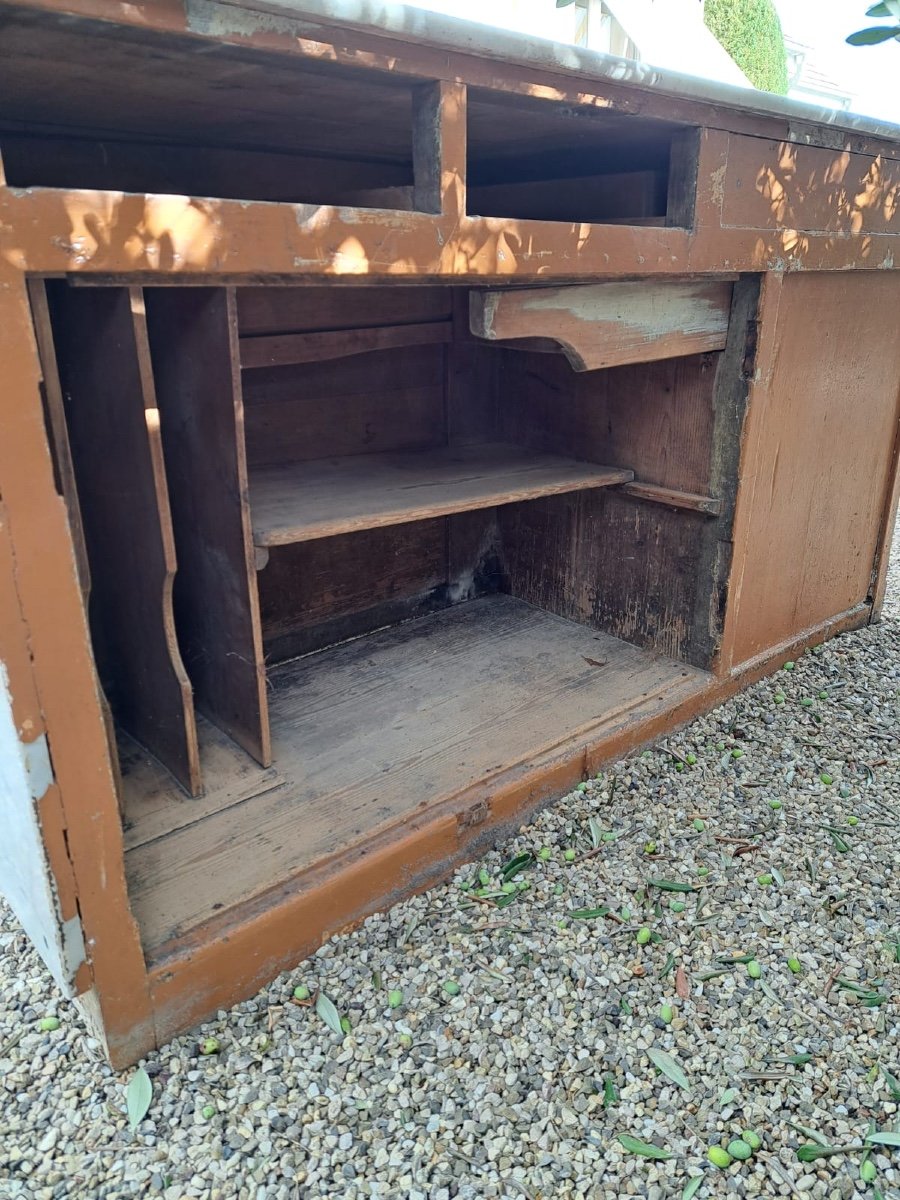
<point x="751" y="33"/>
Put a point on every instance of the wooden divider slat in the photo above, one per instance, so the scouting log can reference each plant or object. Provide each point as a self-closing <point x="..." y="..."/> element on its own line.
<point x="193" y="338"/>
<point x="284" y="349"/>
<point x="113" y="432"/>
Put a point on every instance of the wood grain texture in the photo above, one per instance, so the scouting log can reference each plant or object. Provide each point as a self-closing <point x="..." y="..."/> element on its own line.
<point x="609" y="324"/>
<point x="113" y="424"/>
<point x="285" y="349"/>
<point x="314" y="594"/>
<point x="672" y="498"/>
<point x="323" y="498"/>
<point x="193" y="340"/>
<point x="384" y="401"/>
<point x="429" y="708"/>
<point x="776" y="185"/>
<point x="825" y="415"/>
<point x="271" y="310"/>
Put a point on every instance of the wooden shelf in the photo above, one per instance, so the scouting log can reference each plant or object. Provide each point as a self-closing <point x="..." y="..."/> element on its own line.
<point x="304" y="501"/>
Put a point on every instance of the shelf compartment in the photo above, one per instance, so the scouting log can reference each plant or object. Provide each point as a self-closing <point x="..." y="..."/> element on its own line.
<point x="301" y="502"/>
<point x="367" y="733"/>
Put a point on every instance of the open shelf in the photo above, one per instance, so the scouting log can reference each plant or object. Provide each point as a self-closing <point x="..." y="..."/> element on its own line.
<point x="304" y="501"/>
<point x="366" y="734"/>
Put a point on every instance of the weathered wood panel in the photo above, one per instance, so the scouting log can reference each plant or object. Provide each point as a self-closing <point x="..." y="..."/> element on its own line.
<point x="779" y="185"/>
<point x="385" y="401"/>
<point x="820" y="448"/>
<point x="114" y="434"/>
<point x="436" y="705"/>
<point x="193" y="340"/>
<point x="286" y="349"/>
<point x="268" y="310"/>
<point x="609" y="324"/>
<point x="319" y="499"/>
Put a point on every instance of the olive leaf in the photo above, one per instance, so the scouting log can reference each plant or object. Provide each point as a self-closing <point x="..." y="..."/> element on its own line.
<point x="884" y="1139"/>
<point x="329" y="1014"/>
<point x="635" y="1146"/>
<point x="690" y="1188"/>
<point x="588" y="914"/>
<point x="138" y="1097"/>
<point x="668" y="1066"/>
<point x="670" y="885"/>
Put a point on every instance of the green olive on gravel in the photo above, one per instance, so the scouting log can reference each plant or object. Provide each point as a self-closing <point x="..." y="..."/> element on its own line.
<point x="789" y="666"/>
<point x="643" y="936"/>
<point x="451" y="987"/>
<point x="395" y="998"/>
<point x="677" y="906"/>
<point x="666" y="1013"/>
<point x="703" y="870"/>
<point x="740" y="1149"/>
<point x="795" y="966"/>
<point x="48" y="1024"/>
<point x="775" y="805"/>
<point x="764" y="880"/>
<point x="569" y="855"/>
<point x="826" y="779"/>
<point x="719" y="1157"/>
<point x="753" y="1140"/>
<point x="208" y="1112"/>
<point x="691" y="760"/>
<point x="737" y="753"/>
<point x="209" y="1046"/>
<point x="544" y="853"/>
<point x="754" y="970"/>
<point x="780" y="697"/>
<point x="853" y="820"/>
<point x="508" y="888"/>
<point x="301" y="992"/>
<point x="868" y="1171"/>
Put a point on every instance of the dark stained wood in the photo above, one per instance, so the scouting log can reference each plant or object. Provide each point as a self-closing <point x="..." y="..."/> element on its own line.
<point x="43" y="158"/>
<point x="55" y="411"/>
<point x="285" y="349"/>
<point x="315" y="594"/>
<point x="270" y="310"/>
<point x="169" y="87"/>
<point x="366" y="733"/>
<point x="609" y="324"/>
<point x="388" y="400"/>
<point x="193" y="339"/>
<point x="684" y="156"/>
<point x="426" y="146"/>
<point x="113" y="425"/>
<point x="672" y="498"/>
<point x="636" y="195"/>
<point x="319" y="499"/>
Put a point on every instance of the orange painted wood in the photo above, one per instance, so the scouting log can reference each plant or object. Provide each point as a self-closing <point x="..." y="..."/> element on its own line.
<point x="610" y="324"/>
<point x="777" y="185"/>
<point x="823" y="428"/>
<point x="284" y="349"/>
<point x="323" y="498"/>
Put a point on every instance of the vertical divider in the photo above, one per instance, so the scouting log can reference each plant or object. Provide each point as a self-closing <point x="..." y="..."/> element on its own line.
<point x="62" y="457"/>
<point x="439" y="148"/>
<point x="194" y="347"/>
<point x="112" y="421"/>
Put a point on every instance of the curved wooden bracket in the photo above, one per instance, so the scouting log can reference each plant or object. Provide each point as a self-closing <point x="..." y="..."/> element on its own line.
<point x="608" y="324"/>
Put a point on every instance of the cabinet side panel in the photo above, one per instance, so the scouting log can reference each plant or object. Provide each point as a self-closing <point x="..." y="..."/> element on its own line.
<point x="824" y="423"/>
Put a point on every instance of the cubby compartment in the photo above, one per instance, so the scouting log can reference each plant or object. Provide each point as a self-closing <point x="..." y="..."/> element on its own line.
<point x="416" y="545"/>
<point x="164" y="114"/>
<point x="550" y="161"/>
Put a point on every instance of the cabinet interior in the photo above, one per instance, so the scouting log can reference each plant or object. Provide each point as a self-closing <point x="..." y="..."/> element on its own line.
<point x="342" y="559"/>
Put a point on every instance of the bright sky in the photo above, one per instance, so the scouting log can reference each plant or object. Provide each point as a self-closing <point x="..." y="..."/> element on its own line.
<point x="870" y="73"/>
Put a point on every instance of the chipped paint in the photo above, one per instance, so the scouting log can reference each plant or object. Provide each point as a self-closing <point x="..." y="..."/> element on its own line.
<point x="26" y="881"/>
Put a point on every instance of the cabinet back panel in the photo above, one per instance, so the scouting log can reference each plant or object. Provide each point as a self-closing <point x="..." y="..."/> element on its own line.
<point x="365" y="404"/>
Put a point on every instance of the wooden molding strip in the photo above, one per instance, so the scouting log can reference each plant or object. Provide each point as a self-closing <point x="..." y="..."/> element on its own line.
<point x="610" y="324"/>
<point x="280" y="350"/>
<point x="672" y="498"/>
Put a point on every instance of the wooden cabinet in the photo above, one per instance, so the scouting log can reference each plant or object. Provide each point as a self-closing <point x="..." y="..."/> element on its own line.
<point x="397" y="424"/>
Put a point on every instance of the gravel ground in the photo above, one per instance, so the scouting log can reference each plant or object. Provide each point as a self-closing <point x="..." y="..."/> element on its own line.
<point x="519" y="1048"/>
